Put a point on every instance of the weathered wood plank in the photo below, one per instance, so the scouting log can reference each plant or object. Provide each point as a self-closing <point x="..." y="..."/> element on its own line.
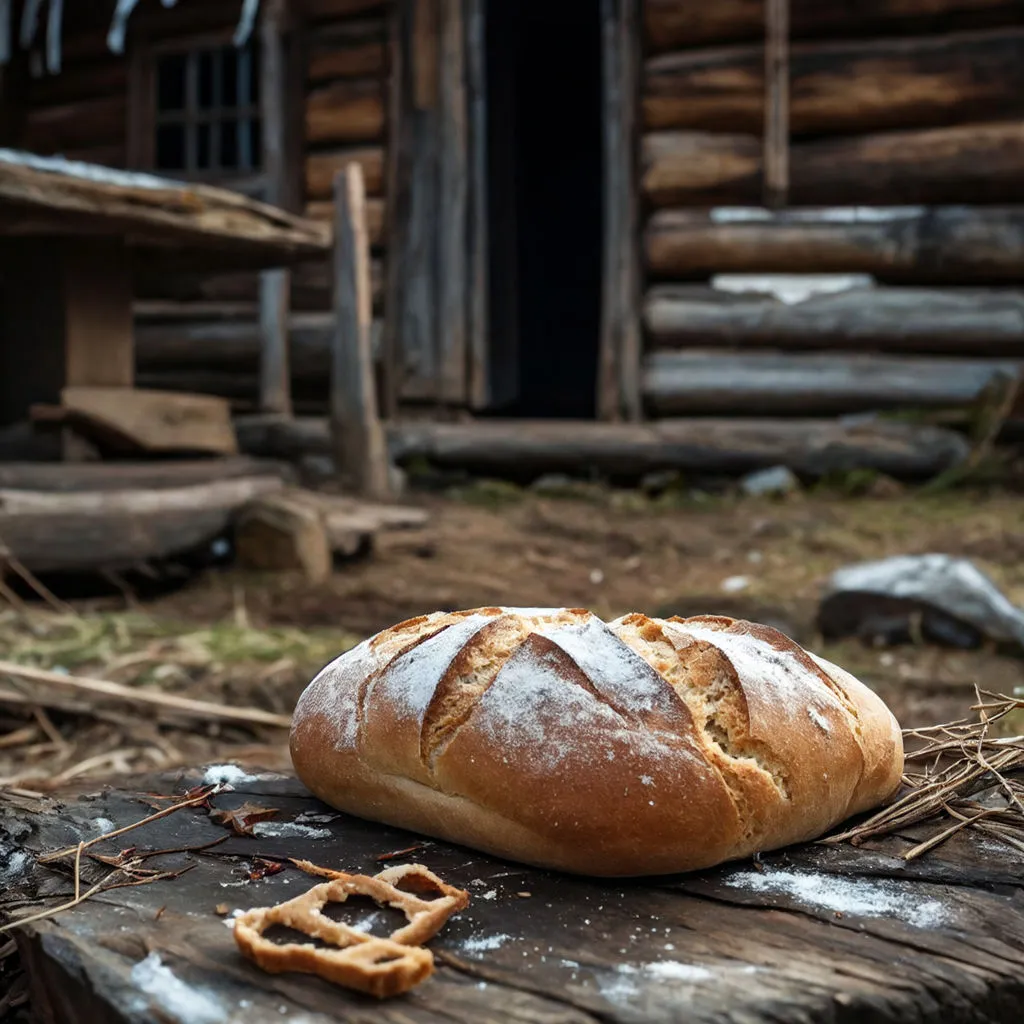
<point x="411" y="343"/>
<point x="618" y="385"/>
<point x="452" y="212"/>
<point x="944" y="244"/>
<point x="149" y="421"/>
<point x="809" y="447"/>
<point x="967" y="163"/>
<point x="358" y="438"/>
<point x="161" y="216"/>
<point x="852" y="86"/>
<point x="805" y="934"/>
<point x="979" y="322"/>
<point x="671" y="25"/>
<point x="690" y="382"/>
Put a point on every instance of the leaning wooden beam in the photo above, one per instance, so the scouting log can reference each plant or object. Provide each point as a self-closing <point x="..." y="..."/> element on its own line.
<point x="978" y="322"/>
<point x="695" y="383"/>
<point x="737" y="445"/>
<point x="672" y="24"/>
<point x="940" y="244"/>
<point x="360" y="453"/>
<point x="87" y="531"/>
<point x="841" y="87"/>
<point x="973" y="162"/>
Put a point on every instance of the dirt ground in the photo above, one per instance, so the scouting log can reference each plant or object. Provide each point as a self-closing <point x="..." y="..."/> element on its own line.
<point x="615" y="551"/>
<point x="258" y="639"/>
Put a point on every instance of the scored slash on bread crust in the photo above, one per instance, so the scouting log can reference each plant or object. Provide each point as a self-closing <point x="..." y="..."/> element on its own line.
<point x="639" y="746"/>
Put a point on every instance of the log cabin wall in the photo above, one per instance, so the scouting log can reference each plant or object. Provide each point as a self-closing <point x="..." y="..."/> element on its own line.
<point x="200" y="332"/>
<point x="906" y="163"/>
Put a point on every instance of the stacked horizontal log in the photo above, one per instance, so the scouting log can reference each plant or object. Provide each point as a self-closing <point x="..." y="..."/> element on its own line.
<point x="812" y="448"/>
<point x="346" y="79"/>
<point x="906" y="163"/>
<point x="903" y="244"/>
<point x="671" y="25"/>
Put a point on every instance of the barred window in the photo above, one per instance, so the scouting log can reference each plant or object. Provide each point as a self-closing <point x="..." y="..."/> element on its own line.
<point x="207" y="117"/>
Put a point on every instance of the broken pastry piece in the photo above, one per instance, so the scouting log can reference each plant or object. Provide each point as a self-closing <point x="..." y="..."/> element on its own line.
<point x="382" y="967"/>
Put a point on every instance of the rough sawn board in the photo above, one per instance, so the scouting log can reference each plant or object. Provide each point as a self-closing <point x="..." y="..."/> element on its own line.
<point x="816" y="934"/>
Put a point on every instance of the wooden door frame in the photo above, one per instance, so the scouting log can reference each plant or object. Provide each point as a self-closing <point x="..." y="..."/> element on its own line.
<point x="437" y="290"/>
<point x="431" y="318"/>
<point x="618" y="376"/>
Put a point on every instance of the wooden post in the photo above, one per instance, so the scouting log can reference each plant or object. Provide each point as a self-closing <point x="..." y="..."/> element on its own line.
<point x="357" y="435"/>
<point x="776" y="124"/>
<point x="618" y="386"/>
<point x="275" y="285"/>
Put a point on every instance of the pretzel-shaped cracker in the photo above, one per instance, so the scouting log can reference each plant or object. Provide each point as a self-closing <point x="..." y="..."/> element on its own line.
<point x="378" y="966"/>
<point x="401" y="889"/>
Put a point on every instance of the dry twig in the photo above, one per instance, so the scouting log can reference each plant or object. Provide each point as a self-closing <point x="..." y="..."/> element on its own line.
<point x="200" y="709"/>
<point x="131" y="867"/>
<point x="957" y="761"/>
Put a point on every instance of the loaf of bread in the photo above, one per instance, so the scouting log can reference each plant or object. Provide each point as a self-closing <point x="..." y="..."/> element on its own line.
<point x="639" y="746"/>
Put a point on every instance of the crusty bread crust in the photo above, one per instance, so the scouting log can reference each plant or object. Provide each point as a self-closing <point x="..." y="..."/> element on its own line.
<point x="640" y="746"/>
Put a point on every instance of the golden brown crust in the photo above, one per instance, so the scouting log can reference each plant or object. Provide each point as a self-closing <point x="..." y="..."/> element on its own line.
<point x="638" y="746"/>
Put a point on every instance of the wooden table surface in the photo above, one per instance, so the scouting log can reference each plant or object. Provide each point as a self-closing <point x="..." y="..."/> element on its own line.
<point x="817" y="933"/>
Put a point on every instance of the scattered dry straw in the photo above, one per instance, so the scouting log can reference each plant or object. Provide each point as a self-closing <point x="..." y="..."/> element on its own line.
<point x="963" y="776"/>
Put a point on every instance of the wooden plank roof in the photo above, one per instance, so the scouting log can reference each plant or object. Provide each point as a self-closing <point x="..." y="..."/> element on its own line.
<point x="51" y="195"/>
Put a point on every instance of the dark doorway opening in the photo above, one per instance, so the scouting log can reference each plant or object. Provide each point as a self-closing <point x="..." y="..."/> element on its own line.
<point x="545" y="189"/>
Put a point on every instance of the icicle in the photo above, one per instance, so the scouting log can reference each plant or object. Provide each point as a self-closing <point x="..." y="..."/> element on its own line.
<point x="5" y="31"/>
<point x="53" y="28"/>
<point x="246" y="21"/>
<point x="29" y="22"/>
<point x="119" y="25"/>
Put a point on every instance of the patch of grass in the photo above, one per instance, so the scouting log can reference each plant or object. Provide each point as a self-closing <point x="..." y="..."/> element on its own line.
<point x="486" y="493"/>
<point x="139" y="648"/>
